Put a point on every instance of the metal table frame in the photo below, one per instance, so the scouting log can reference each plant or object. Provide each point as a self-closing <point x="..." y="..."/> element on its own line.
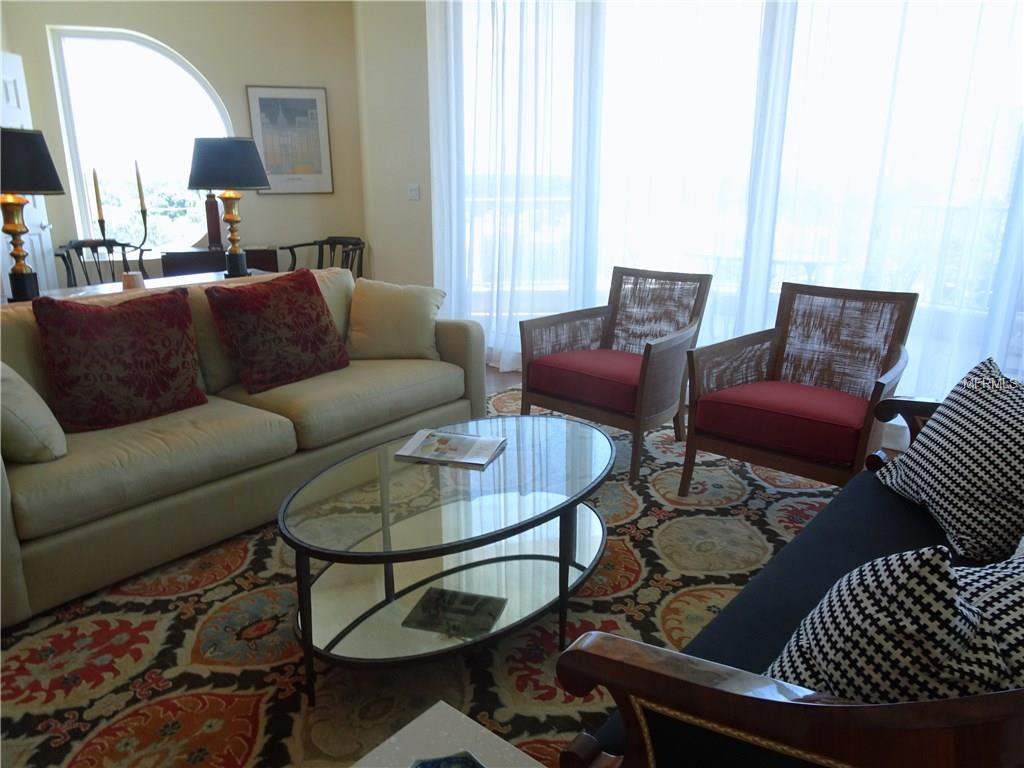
<point x="566" y="512"/>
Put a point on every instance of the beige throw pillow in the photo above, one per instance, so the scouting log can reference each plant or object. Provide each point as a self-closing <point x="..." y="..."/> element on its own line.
<point x="29" y="432"/>
<point x="389" y="321"/>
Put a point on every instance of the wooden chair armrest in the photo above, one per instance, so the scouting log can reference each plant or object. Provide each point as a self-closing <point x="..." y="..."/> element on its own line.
<point x="660" y="674"/>
<point x="886" y="384"/>
<point x="742" y="360"/>
<point x="292" y="255"/>
<point x="661" y="375"/>
<point x="564" y="332"/>
<point x="786" y="718"/>
<point x="914" y="411"/>
<point x="884" y="387"/>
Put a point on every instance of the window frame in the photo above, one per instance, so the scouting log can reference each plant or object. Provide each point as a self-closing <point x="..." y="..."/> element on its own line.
<point x="56" y="34"/>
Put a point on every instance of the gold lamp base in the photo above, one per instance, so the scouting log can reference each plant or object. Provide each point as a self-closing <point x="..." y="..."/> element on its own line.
<point x="234" y="256"/>
<point x="24" y="283"/>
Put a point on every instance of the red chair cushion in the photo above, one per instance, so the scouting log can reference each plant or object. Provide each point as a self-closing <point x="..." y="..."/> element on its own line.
<point x="810" y="422"/>
<point x="606" y="378"/>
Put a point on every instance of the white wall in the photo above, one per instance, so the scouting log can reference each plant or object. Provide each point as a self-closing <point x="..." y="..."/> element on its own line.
<point x="391" y="39"/>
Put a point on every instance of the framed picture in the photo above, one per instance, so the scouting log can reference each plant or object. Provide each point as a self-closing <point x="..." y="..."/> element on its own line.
<point x="290" y="129"/>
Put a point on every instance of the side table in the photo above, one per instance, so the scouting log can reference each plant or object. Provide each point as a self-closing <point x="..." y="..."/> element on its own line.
<point x="188" y="261"/>
<point x="440" y="731"/>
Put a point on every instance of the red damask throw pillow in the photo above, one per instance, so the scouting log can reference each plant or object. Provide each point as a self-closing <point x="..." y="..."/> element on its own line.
<point x="277" y="331"/>
<point x="113" y="365"/>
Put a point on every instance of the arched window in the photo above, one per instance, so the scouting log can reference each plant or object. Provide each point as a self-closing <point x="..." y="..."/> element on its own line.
<point x="126" y="98"/>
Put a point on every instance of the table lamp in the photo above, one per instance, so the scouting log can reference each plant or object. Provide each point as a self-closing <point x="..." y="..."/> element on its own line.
<point x="229" y="164"/>
<point x="26" y="168"/>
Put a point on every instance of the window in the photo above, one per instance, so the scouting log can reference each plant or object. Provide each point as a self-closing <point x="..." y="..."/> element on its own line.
<point x="874" y="146"/>
<point x="127" y="98"/>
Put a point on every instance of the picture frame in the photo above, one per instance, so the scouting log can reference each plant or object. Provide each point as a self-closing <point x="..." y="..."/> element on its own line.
<point x="289" y="125"/>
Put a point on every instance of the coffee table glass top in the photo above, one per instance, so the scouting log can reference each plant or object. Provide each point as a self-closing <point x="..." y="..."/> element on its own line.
<point x="346" y="512"/>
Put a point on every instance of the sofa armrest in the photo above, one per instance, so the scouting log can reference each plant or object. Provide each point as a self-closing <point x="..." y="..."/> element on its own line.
<point x="461" y="342"/>
<point x="14" y="605"/>
<point x="777" y="716"/>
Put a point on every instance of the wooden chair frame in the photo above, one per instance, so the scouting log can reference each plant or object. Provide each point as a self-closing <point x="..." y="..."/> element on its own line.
<point x="662" y="372"/>
<point x="90" y="252"/>
<point x="977" y="731"/>
<point x="763" y="354"/>
<point x="351" y="257"/>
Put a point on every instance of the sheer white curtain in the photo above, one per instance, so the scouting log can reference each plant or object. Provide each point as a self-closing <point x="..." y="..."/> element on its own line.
<point x="903" y="140"/>
<point x="506" y="81"/>
<point x="863" y="145"/>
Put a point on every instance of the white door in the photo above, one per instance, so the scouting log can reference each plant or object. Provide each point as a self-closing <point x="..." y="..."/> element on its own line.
<point x="14" y="113"/>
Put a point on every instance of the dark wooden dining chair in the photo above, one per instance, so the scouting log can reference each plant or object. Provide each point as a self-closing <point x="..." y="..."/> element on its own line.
<point x="334" y="251"/>
<point x="622" y="364"/>
<point x="799" y="397"/>
<point x="98" y="261"/>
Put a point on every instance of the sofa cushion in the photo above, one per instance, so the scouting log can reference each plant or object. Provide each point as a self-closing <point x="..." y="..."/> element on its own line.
<point x="366" y="394"/>
<point x="810" y="422"/>
<point x="967" y="464"/>
<point x="606" y="378"/>
<point x="29" y="432"/>
<point x="218" y="371"/>
<point x="114" y="365"/>
<point x="902" y="628"/>
<point x="110" y="470"/>
<point x="278" y="331"/>
<point x="393" y="321"/>
<point x="865" y="521"/>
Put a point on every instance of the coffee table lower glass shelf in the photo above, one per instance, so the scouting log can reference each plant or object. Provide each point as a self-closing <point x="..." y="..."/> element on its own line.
<point x="474" y="594"/>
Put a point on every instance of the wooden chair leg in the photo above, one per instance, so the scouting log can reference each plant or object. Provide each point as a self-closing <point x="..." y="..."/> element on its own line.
<point x="638" y="451"/>
<point x="524" y="405"/>
<point x="677" y="422"/>
<point x="689" y="459"/>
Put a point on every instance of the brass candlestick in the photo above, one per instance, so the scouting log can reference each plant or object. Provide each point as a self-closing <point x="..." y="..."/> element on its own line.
<point x="24" y="282"/>
<point x="14" y="226"/>
<point x="236" y="266"/>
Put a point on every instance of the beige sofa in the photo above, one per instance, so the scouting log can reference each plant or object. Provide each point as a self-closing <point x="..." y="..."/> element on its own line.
<point x="129" y="498"/>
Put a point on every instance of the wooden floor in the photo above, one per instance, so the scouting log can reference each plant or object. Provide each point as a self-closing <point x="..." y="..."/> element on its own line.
<point x="498" y="382"/>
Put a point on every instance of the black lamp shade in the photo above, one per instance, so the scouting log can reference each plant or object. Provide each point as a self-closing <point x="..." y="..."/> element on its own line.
<point x="230" y="163"/>
<point x="26" y="167"/>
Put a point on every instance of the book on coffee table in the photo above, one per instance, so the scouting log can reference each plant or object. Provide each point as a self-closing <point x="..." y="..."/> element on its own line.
<point x="455" y="613"/>
<point x="465" y="451"/>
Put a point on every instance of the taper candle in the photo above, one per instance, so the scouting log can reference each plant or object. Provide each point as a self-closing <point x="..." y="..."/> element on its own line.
<point x="99" y="201"/>
<point x="138" y="183"/>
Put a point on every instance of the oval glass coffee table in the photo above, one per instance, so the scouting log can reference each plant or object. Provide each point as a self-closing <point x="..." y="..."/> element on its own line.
<point x="423" y="559"/>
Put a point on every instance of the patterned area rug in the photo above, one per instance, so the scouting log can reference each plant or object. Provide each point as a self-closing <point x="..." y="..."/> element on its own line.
<point x="196" y="663"/>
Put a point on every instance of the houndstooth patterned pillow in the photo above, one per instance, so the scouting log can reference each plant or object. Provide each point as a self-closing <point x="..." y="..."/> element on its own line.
<point x="910" y="627"/>
<point x="967" y="465"/>
<point x="997" y="591"/>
